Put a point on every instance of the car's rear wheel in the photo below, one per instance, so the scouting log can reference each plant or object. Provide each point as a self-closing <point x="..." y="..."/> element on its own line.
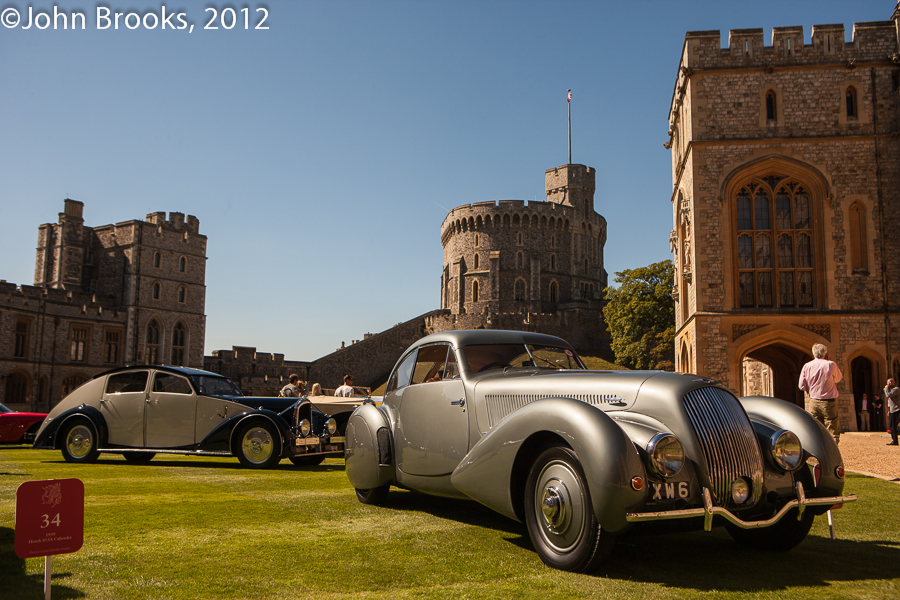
<point x="259" y="445"/>
<point x="780" y="537"/>
<point x="79" y="441"/>
<point x="559" y="514"/>
<point x="139" y="457"/>
<point x="375" y="496"/>
<point x="307" y="461"/>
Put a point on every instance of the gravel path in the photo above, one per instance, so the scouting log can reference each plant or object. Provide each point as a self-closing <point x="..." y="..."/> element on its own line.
<point x="867" y="453"/>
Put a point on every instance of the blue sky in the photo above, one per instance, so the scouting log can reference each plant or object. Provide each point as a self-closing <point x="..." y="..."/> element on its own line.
<point x="321" y="155"/>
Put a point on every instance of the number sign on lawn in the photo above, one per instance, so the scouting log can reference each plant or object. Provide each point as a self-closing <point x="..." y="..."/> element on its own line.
<point x="49" y="517"/>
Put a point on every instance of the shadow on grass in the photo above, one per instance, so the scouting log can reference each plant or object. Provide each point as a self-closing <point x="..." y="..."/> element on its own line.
<point x="697" y="560"/>
<point x="16" y="583"/>
<point x="224" y="463"/>
<point x="713" y="561"/>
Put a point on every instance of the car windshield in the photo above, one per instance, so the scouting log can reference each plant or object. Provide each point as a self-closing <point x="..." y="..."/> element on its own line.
<point x="215" y="386"/>
<point x="485" y="357"/>
<point x="3" y="409"/>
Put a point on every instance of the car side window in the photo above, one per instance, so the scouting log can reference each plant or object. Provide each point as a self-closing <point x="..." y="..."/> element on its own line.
<point x="171" y="384"/>
<point x="430" y="364"/>
<point x="403" y="374"/>
<point x="123" y="383"/>
<point x="452" y="370"/>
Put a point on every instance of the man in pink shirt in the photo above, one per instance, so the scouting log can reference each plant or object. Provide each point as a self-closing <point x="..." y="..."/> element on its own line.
<point x="819" y="379"/>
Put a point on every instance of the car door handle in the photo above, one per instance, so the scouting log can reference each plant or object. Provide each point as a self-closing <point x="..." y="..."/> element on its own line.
<point x="460" y="402"/>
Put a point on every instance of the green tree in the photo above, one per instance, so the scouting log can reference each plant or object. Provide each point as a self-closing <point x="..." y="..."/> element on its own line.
<point x="640" y="315"/>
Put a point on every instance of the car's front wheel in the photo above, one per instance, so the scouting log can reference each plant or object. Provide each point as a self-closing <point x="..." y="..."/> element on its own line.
<point x="259" y="445"/>
<point x="559" y="514"/>
<point x="307" y="461"/>
<point x="780" y="537"/>
<point x="79" y="441"/>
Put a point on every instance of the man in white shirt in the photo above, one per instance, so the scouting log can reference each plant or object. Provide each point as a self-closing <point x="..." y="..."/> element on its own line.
<point x="345" y="390"/>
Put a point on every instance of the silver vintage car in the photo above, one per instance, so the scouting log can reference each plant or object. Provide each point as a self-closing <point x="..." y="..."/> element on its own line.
<point x="514" y="421"/>
<point x="145" y="410"/>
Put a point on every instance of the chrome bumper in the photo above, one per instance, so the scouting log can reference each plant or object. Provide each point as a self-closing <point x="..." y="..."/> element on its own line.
<point x="709" y="511"/>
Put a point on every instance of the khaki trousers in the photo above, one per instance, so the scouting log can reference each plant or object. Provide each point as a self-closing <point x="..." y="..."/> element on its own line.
<point x="826" y="413"/>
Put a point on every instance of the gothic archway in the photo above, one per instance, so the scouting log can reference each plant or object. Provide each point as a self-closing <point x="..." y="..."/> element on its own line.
<point x="785" y="363"/>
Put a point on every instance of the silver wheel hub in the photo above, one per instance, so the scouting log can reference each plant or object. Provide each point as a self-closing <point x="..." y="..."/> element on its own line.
<point x="79" y="441"/>
<point x="560" y="506"/>
<point x="257" y="445"/>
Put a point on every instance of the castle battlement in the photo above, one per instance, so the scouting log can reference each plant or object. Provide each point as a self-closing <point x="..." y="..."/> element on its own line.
<point x="175" y="221"/>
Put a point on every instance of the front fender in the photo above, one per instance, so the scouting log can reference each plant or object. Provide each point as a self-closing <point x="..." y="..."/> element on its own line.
<point x="368" y="451"/>
<point x="771" y="414"/>
<point x="488" y="472"/>
<point x="46" y="439"/>
<point x="221" y="439"/>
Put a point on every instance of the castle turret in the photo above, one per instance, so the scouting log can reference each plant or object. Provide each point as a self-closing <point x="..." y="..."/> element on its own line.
<point x="572" y="185"/>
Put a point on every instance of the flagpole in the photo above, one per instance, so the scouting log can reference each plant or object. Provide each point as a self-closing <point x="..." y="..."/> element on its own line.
<point x="569" y="102"/>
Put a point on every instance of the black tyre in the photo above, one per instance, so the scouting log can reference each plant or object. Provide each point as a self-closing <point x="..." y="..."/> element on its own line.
<point x="780" y="537"/>
<point x="376" y="496"/>
<point x="307" y="461"/>
<point x="139" y="457"/>
<point x="259" y="445"/>
<point x="559" y="514"/>
<point x="79" y="441"/>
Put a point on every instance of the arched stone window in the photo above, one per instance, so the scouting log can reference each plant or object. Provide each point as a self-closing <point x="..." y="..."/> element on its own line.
<point x="157" y="290"/>
<point x="774" y="244"/>
<point x="474" y="291"/>
<point x="17" y="388"/>
<point x="554" y="292"/>
<point x="520" y="260"/>
<point x="151" y="349"/>
<point x="859" y="261"/>
<point x="178" y="337"/>
<point x="72" y="383"/>
<point x="182" y="264"/>
<point x="552" y="262"/>
<point x="519" y="289"/>
<point x="771" y="106"/>
<point x="157" y="260"/>
<point x="475" y="261"/>
<point x="182" y="293"/>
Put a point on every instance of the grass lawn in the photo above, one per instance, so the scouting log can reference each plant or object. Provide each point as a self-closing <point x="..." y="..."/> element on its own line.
<point x="204" y="528"/>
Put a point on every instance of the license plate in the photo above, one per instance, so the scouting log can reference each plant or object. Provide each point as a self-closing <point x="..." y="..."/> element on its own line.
<point x="670" y="490"/>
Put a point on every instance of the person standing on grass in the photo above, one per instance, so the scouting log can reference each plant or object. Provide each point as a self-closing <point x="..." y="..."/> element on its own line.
<point x="819" y="379"/>
<point x="892" y="393"/>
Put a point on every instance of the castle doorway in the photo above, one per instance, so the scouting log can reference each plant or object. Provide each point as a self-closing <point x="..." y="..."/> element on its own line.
<point x="782" y="374"/>
<point x="862" y="375"/>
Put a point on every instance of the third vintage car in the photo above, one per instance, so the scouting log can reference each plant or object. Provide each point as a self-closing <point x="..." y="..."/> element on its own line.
<point x="142" y="411"/>
<point x="515" y="421"/>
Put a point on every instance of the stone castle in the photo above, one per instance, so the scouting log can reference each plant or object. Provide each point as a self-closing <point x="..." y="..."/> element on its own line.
<point x="785" y="168"/>
<point x="129" y="293"/>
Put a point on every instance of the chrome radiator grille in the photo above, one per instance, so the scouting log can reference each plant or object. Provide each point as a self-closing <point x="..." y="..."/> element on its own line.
<point x="728" y="442"/>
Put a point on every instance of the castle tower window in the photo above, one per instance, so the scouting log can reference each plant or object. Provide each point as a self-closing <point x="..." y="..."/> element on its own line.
<point x="475" y="261"/>
<point x="151" y="350"/>
<point x="774" y="244"/>
<point x="520" y="260"/>
<point x="112" y="346"/>
<point x="23" y="327"/>
<point x="157" y="259"/>
<point x="182" y="264"/>
<point x="554" y="292"/>
<point x="474" y="291"/>
<point x="770" y="107"/>
<point x="859" y="262"/>
<point x="178" y="335"/>
<point x="78" y="343"/>
<point x="17" y="388"/>
<point x="553" y="241"/>
<point x="519" y="238"/>
<point x="156" y="290"/>
<point x="476" y="240"/>
<point x="850" y="99"/>
<point x="552" y="262"/>
<point x="182" y="292"/>
<point x="519" y="290"/>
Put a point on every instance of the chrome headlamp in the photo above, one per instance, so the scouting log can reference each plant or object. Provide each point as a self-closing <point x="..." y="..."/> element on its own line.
<point x="666" y="454"/>
<point x="786" y="450"/>
<point x="331" y="426"/>
<point x="304" y="427"/>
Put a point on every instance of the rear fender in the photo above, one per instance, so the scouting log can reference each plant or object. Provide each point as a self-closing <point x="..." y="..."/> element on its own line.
<point x="47" y="439"/>
<point x="369" y="449"/>
<point x="495" y="470"/>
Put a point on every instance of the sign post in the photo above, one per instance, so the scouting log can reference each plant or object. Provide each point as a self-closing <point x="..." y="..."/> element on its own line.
<point x="49" y="520"/>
